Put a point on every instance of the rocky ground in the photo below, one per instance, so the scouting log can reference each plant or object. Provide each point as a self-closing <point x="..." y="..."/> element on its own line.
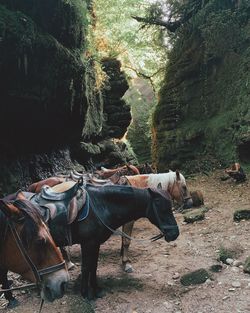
<point x="155" y="286"/>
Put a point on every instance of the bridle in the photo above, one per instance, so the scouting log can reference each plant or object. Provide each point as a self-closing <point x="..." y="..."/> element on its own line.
<point x="38" y="274"/>
<point x="183" y="197"/>
<point x="152" y="239"/>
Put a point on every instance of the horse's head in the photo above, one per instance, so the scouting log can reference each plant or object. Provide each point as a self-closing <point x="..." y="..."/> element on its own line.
<point x="178" y="190"/>
<point x="160" y="213"/>
<point x="27" y="237"/>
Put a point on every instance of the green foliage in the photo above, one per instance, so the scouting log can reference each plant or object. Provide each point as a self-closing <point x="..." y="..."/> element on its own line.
<point x="140" y="97"/>
<point x="204" y="103"/>
<point x="119" y="35"/>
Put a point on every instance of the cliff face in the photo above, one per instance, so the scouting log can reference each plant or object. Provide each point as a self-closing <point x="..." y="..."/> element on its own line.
<point x="49" y="105"/>
<point x="41" y="72"/>
<point x="203" y="115"/>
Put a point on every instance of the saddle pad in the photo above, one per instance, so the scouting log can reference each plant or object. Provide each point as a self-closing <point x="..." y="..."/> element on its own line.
<point x="85" y="209"/>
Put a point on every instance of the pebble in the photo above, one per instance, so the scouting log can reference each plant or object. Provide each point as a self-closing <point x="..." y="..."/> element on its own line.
<point x="231" y="289"/>
<point x="235" y="269"/>
<point x="237" y="263"/>
<point x="225" y="298"/>
<point x="176" y="276"/>
<point x="170" y="283"/>
<point x="229" y="261"/>
<point x="236" y="284"/>
<point x="168" y="305"/>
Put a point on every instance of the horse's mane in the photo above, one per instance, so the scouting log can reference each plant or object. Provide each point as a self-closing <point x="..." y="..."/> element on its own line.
<point x="32" y="220"/>
<point x="167" y="179"/>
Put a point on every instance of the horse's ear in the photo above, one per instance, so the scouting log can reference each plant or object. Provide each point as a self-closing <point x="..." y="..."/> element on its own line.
<point x="159" y="186"/>
<point x="9" y="209"/>
<point x="178" y="175"/>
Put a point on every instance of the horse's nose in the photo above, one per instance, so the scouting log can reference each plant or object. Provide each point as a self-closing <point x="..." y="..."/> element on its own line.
<point x="172" y="234"/>
<point x="55" y="286"/>
<point x="188" y="204"/>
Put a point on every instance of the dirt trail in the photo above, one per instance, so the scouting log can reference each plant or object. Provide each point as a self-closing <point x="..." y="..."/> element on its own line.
<point x="151" y="288"/>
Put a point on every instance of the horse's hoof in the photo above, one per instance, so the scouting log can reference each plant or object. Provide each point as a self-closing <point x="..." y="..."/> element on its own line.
<point x="12" y="303"/>
<point x="70" y="265"/>
<point x="128" y="268"/>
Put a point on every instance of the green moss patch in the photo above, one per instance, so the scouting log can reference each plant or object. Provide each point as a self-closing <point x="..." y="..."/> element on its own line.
<point x="228" y="253"/>
<point x="246" y="267"/>
<point x="195" y="278"/>
<point x="216" y="268"/>
<point x="194" y="215"/>
<point x="242" y="215"/>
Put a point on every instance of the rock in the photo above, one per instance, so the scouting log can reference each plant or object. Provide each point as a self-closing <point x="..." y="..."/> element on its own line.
<point x="197" y="198"/>
<point x="216" y="268"/>
<point x="246" y="266"/>
<point x="237" y="263"/>
<point x="176" y="276"/>
<point x="236" y="284"/>
<point x="229" y="261"/>
<point x="168" y="305"/>
<point x="194" y="215"/>
<point x="227" y="253"/>
<point x="241" y="215"/>
<point x="194" y="278"/>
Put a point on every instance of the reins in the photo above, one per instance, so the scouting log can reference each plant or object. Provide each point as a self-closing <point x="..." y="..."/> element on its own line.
<point x="122" y="234"/>
<point x="37" y="273"/>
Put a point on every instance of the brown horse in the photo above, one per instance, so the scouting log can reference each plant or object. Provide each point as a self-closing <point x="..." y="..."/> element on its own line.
<point x="173" y="182"/>
<point x="27" y="248"/>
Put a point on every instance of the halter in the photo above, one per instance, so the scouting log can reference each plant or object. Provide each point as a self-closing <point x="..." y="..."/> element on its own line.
<point x="152" y="239"/>
<point x="37" y="273"/>
<point x="184" y="199"/>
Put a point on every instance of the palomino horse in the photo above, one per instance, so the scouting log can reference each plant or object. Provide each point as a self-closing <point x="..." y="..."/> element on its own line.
<point x="109" y="208"/>
<point x="173" y="182"/>
<point x="123" y="170"/>
<point x="23" y="237"/>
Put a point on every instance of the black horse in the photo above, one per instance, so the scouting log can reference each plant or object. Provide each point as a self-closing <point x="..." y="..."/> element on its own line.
<point x="110" y="208"/>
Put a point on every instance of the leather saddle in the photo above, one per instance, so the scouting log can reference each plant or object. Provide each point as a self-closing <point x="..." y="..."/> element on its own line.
<point x="60" y="206"/>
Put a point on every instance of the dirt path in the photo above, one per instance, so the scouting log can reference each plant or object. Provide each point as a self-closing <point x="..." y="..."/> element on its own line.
<point x="151" y="288"/>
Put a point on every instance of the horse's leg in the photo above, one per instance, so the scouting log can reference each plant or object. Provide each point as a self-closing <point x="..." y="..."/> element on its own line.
<point x="66" y="256"/>
<point x="127" y="229"/>
<point x="90" y="254"/>
<point x="6" y="285"/>
<point x="97" y="291"/>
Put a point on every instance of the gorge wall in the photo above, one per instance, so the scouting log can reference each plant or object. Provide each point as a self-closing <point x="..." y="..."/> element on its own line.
<point x="203" y="116"/>
<point x="52" y="115"/>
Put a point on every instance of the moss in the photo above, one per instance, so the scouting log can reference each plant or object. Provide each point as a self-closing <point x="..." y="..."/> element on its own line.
<point x="226" y="253"/>
<point x="203" y="111"/>
<point x="194" y="215"/>
<point x="246" y="265"/>
<point x="195" y="278"/>
<point x="241" y="215"/>
<point x="216" y="268"/>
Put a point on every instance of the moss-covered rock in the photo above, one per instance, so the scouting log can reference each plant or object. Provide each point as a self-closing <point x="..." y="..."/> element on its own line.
<point x="246" y="267"/>
<point x="202" y="119"/>
<point x="65" y="20"/>
<point x="192" y="216"/>
<point x="41" y="82"/>
<point x="228" y="253"/>
<point x="195" y="278"/>
<point x="241" y="215"/>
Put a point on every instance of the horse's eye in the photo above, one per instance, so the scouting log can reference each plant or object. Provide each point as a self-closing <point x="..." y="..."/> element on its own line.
<point x="41" y="241"/>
